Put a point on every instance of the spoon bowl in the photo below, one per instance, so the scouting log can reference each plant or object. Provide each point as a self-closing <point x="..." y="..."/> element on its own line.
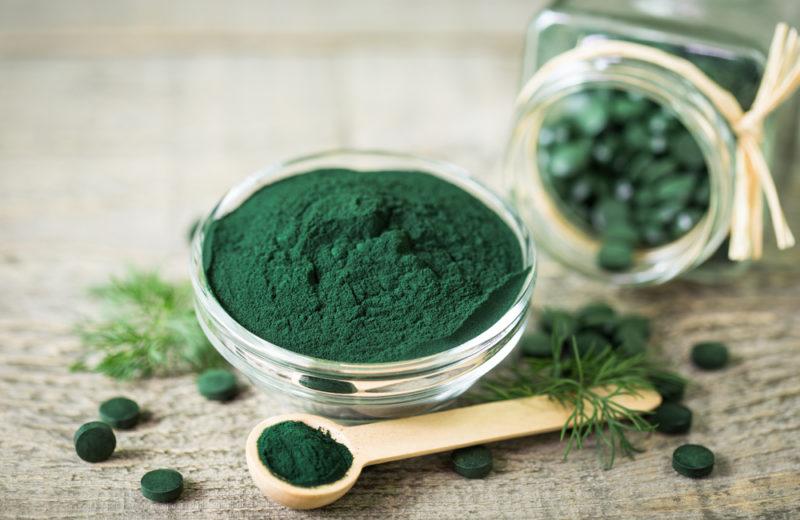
<point x="290" y="495"/>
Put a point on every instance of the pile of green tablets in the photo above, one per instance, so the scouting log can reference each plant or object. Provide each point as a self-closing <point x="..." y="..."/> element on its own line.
<point x="594" y="326"/>
<point x="598" y="325"/>
<point x="624" y="168"/>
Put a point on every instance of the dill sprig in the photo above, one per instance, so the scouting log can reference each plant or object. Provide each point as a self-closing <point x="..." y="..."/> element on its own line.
<point x="589" y="384"/>
<point x="148" y="328"/>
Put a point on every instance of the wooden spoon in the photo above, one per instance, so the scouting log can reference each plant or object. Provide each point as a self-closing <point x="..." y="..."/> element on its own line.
<point x="396" y="439"/>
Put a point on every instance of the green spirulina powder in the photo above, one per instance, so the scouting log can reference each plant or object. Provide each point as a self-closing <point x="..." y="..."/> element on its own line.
<point x="302" y="455"/>
<point x="364" y="267"/>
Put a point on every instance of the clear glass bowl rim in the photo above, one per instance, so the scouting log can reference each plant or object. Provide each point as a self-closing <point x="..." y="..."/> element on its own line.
<point x="276" y="354"/>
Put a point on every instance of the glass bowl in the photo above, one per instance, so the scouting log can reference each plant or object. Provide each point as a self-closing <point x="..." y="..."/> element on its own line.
<point x="361" y="391"/>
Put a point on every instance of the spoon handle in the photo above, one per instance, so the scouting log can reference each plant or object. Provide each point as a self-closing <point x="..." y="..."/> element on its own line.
<point x="397" y="439"/>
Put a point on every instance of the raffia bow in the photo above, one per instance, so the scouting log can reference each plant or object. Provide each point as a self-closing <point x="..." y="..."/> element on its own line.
<point x="753" y="178"/>
<point x="754" y="181"/>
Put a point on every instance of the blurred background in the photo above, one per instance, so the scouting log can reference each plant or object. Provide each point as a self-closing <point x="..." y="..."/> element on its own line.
<point x="123" y="121"/>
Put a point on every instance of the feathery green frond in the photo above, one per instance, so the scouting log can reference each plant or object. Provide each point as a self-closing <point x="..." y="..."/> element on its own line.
<point x="148" y="328"/>
<point x="578" y="381"/>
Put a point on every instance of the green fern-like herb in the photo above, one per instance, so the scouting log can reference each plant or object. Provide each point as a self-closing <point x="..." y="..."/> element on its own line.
<point x="589" y="385"/>
<point x="148" y="328"/>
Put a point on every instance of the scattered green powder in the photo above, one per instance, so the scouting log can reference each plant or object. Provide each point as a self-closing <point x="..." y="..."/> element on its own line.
<point x="364" y="267"/>
<point x="302" y="455"/>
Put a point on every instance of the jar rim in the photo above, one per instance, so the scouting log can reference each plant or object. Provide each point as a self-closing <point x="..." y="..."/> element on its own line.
<point x="695" y="111"/>
<point x="205" y="298"/>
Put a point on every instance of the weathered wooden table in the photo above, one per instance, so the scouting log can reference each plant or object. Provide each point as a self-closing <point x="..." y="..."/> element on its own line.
<point x="122" y="121"/>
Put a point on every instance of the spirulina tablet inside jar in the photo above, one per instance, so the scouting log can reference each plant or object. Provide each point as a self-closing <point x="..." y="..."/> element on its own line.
<point x="623" y="168"/>
<point x="364" y="266"/>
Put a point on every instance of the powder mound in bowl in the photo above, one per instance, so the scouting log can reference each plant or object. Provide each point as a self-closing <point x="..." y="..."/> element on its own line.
<point x="364" y="267"/>
<point x="302" y="455"/>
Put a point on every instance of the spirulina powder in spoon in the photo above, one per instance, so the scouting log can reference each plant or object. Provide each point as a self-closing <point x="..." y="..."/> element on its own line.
<point x="302" y="455"/>
<point x="364" y="267"/>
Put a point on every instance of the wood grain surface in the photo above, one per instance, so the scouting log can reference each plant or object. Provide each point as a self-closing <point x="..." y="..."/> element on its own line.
<point x="122" y="121"/>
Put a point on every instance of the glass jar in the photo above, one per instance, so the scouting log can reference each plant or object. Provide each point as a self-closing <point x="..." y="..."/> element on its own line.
<point x="700" y="31"/>
<point x="361" y="391"/>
